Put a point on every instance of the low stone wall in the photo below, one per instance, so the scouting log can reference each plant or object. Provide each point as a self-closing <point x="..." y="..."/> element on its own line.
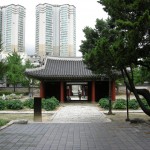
<point x="20" y="89"/>
<point x="122" y="89"/>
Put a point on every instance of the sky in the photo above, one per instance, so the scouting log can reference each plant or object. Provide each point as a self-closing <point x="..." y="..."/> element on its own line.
<point x="87" y="11"/>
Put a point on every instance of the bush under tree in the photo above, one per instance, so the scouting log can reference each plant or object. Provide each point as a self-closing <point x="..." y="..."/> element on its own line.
<point x="119" y="104"/>
<point x="14" y="104"/>
<point x="104" y="103"/>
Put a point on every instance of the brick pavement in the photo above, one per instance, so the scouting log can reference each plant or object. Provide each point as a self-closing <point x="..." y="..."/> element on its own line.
<point x="75" y="136"/>
<point x="78" y="135"/>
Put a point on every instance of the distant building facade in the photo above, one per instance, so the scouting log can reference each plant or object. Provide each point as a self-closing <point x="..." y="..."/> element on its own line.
<point x="0" y="25"/>
<point x="12" y="28"/>
<point x="55" y="30"/>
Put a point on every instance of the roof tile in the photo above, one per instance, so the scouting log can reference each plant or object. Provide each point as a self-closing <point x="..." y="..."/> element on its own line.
<point x="62" y="68"/>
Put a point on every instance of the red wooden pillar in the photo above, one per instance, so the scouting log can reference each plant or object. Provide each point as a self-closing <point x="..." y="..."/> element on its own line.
<point x="93" y="91"/>
<point x="113" y="90"/>
<point x="42" y="92"/>
<point x="70" y="90"/>
<point x="62" y="92"/>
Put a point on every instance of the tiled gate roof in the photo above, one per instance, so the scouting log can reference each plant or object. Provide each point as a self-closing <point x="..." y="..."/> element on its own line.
<point x="57" y="68"/>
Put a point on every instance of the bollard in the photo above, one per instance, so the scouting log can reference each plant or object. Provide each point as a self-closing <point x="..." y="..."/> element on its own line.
<point x="37" y="109"/>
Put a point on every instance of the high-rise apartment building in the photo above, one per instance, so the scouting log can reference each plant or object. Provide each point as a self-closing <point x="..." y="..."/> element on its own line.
<point x="0" y="25"/>
<point x="12" y="28"/>
<point x="56" y="30"/>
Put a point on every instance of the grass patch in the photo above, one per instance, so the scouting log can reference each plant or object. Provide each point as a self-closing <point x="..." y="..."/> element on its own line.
<point x="3" y="122"/>
<point x="30" y="117"/>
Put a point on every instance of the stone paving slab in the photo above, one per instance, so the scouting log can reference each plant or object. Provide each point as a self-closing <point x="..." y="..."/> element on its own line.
<point x="87" y="113"/>
<point x="76" y="127"/>
<point x="75" y="136"/>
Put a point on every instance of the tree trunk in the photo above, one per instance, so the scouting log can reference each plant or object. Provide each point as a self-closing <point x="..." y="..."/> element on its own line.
<point x="136" y="93"/>
<point x="145" y="93"/>
<point x="29" y="89"/>
<point x="110" y="103"/>
<point x="14" y="88"/>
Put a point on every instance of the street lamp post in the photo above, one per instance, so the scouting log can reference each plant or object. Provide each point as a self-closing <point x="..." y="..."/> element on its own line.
<point x="110" y="103"/>
<point x="127" y="99"/>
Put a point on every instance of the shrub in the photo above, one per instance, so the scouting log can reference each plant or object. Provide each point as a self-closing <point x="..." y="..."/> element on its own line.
<point x="14" y="104"/>
<point x="50" y="104"/>
<point x="55" y="100"/>
<point x="29" y="103"/>
<point x="3" y="122"/>
<point x="5" y="92"/>
<point x="10" y="92"/>
<point x="133" y="104"/>
<point x="104" y="103"/>
<point x="145" y="103"/>
<point x="2" y="104"/>
<point x="119" y="104"/>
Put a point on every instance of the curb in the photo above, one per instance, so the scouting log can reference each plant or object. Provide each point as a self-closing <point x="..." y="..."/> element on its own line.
<point x="22" y="121"/>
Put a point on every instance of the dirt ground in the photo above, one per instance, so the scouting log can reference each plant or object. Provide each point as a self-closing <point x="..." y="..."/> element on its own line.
<point x="29" y="117"/>
<point x="116" y="117"/>
<point x="122" y="116"/>
<point x="46" y="117"/>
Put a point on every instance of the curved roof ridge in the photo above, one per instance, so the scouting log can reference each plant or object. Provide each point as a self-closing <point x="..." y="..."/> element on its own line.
<point x="66" y="58"/>
<point x="38" y="68"/>
<point x="35" y="69"/>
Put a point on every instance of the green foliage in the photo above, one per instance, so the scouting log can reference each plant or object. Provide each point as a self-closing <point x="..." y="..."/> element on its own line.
<point x="15" y="70"/>
<point x="55" y="100"/>
<point x="119" y="104"/>
<point x="141" y="74"/>
<point x="2" y="105"/>
<point x="101" y="57"/>
<point x="14" y="104"/>
<point x="145" y="103"/>
<point x="10" y="92"/>
<point x="104" y="103"/>
<point x="29" y="103"/>
<point x="2" y="63"/>
<point x="133" y="104"/>
<point x="137" y="76"/>
<point x="2" y="69"/>
<point x="5" y="92"/>
<point x="120" y="42"/>
<point x="3" y="122"/>
<point x="26" y="81"/>
<point x="50" y="104"/>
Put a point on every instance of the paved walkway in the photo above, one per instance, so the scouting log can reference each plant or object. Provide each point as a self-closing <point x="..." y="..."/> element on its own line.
<point x="81" y="132"/>
<point x="79" y="113"/>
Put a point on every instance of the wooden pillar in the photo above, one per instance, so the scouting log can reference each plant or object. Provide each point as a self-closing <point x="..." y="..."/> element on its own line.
<point x="62" y="92"/>
<point x="42" y="91"/>
<point x="113" y="90"/>
<point x="93" y="91"/>
<point x="70" y="90"/>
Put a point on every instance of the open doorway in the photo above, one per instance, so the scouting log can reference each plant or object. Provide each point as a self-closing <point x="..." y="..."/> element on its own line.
<point x="77" y="91"/>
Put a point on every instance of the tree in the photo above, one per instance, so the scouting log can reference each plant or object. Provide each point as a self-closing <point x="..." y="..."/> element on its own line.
<point x="3" y="69"/>
<point x="120" y="43"/>
<point x="141" y="75"/>
<point x="15" y="69"/>
<point x="26" y="80"/>
<point x="95" y="50"/>
<point x="2" y="63"/>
